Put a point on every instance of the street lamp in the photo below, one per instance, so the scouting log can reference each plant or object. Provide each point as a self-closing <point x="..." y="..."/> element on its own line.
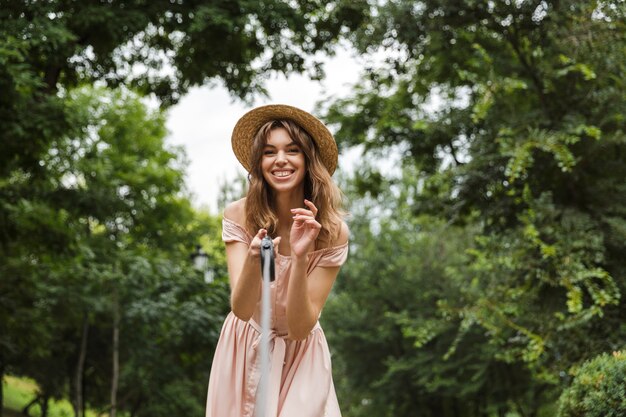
<point x="200" y="261"/>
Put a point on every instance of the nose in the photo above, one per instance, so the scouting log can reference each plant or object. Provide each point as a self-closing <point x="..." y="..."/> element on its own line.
<point x="281" y="158"/>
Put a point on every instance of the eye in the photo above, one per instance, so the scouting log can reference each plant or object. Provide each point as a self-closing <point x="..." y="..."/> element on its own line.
<point x="268" y="152"/>
<point x="293" y="150"/>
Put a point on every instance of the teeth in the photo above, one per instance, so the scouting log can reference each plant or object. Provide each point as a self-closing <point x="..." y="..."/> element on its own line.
<point x="282" y="173"/>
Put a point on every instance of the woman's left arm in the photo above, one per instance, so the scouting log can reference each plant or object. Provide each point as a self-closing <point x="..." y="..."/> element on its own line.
<point x="307" y="295"/>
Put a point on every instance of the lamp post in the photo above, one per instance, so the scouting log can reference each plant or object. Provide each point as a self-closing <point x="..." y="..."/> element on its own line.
<point x="200" y="261"/>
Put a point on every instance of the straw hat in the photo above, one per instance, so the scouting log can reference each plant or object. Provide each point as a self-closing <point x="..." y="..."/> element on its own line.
<point x="247" y="127"/>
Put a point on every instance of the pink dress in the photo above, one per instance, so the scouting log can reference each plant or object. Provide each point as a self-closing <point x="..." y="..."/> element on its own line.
<point x="301" y="383"/>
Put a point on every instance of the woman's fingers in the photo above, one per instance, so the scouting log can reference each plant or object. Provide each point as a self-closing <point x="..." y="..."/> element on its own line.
<point x="311" y="211"/>
<point x="311" y="206"/>
<point x="303" y="217"/>
<point x="312" y="229"/>
<point x="302" y="212"/>
<point x="313" y="223"/>
<point x="255" y="245"/>
<point x="256" y="241"/>
<point x="259" y="237"/>
<point x="276" y="245"/>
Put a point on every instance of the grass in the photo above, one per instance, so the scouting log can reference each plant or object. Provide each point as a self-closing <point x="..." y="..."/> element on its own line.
<point x="20" y="391"/>
<point x="17" y="392"/>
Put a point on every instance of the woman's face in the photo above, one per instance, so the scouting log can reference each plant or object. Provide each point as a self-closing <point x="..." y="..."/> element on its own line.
<point x="283" y="163"/>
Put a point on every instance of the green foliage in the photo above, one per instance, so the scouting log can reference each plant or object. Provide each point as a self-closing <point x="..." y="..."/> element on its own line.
<point x="509" y="115"/>
<point x="96" y="227"/>
<point x="20" y="391"/>
<point x="232" y="191"/>
<point x="162" y="48"/>
<point x="598" y="388"/>
<point x="391" y="310"/>
<point x="105" y="228"/>
<point x="522" y="277"/>
<point x="17" y="392"/>
<point x="167" y="47"/>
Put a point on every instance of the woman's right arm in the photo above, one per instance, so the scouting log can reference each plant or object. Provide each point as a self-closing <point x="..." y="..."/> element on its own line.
<point x="244" y="268"/>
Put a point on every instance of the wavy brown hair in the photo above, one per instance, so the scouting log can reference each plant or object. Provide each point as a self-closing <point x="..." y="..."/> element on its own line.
<point x="318" y="186"/>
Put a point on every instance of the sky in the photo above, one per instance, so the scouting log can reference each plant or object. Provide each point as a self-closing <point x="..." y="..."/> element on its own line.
<point x="203" y="120"/>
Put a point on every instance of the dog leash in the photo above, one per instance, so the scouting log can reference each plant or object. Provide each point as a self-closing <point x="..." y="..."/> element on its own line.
<point x="268" y="268"/>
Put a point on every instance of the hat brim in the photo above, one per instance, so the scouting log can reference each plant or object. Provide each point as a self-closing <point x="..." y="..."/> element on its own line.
<point x="247" y="127"/>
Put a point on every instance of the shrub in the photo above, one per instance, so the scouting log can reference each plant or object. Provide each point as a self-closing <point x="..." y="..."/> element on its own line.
<point x="598" y="388"/>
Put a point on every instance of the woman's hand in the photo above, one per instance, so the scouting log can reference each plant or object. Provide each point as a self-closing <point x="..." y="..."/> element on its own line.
<point x="304" y="230"/>
<point x="255" y="246"/>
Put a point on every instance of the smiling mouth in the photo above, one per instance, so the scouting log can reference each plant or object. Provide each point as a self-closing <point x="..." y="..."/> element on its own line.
<point x="283" y="173"/>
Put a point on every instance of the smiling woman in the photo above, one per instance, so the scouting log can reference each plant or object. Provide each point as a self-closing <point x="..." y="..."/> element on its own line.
<point x="284" y="125"/>
<point x="204" y="118"/>
<point x="290" y="156"/>
<point x="282" y="163"/>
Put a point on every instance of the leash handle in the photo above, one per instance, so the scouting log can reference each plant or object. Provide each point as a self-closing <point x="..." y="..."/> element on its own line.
<point x="267" y="256"/>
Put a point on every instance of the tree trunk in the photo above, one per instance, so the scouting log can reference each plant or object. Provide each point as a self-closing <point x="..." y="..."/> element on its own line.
<point x="44" y="406"/>
<point x="116" y="365"/>
<point x="136" y="407"/>
<point x="1" y="389"/>
<point x="80" y="366"/>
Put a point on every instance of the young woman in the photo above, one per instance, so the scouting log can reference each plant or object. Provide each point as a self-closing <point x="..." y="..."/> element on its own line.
<point x="290" y="156"/>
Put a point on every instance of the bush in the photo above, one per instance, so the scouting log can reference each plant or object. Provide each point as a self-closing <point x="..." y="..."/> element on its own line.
<point x="598" y="389"/>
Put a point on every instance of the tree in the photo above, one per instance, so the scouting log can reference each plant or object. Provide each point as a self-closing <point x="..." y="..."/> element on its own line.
<point x="119" y="295"/>
<point x="510" y="115"/>
<point x="387" y="312"/>
<point x="232" y="191"/>
<point x="162" y="48"/>
<point x="63" y="209"/>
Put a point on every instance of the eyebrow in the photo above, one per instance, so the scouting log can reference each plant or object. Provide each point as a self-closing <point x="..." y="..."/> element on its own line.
<point x="289" y="144"/>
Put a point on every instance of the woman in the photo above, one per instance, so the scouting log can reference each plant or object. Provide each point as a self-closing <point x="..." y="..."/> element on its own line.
<point x="290" y="157"/>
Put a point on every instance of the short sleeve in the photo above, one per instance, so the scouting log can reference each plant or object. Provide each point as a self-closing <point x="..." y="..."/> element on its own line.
<point x="335" y="256"/>
<point x="233" y="232"/>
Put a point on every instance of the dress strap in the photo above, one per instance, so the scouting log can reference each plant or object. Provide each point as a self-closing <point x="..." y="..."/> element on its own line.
<point x="234" y="232"/>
